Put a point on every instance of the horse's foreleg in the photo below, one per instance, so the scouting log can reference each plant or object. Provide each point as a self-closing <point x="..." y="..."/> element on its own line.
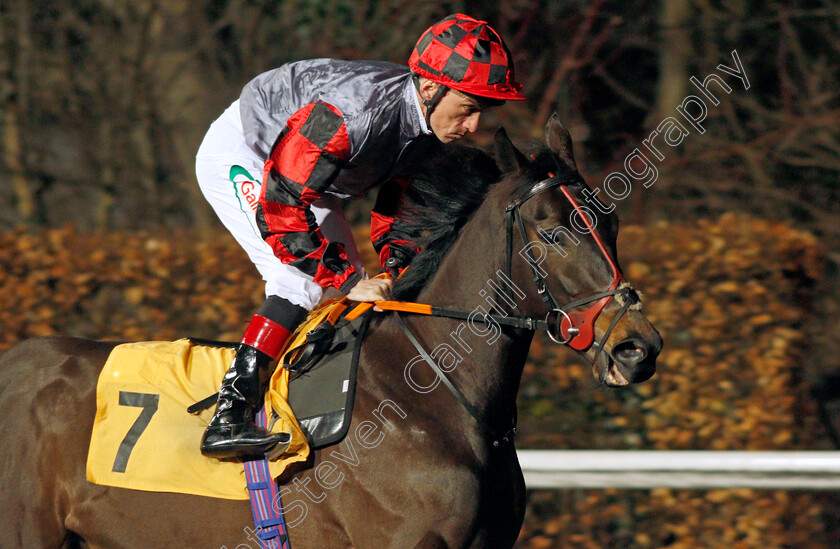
<point x="503" y="502"/>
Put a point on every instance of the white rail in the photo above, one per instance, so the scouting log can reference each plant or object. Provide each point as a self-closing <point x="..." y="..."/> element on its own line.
<point x="705" y="469"/>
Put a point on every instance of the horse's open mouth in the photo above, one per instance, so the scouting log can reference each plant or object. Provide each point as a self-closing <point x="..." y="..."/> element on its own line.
<point x="613" y="377"/>
<point x="606" y="371"/>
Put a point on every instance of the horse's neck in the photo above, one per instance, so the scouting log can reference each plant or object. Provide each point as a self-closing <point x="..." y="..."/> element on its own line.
<point x="491" y="368"/>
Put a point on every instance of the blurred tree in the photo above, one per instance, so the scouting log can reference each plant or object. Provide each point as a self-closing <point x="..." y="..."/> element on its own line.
<point x="15" y="69"/>
<point x="106" y="101"/>
<point x="674" y="55"/>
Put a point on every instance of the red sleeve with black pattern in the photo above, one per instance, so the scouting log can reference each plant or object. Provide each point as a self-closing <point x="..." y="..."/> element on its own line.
<point x="386" y="228"/>
<point x="304" y="160"/>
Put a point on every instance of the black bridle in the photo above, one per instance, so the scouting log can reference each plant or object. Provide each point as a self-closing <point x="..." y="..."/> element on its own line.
<point x="574" y="328"/>
<point x="567" y="327"/>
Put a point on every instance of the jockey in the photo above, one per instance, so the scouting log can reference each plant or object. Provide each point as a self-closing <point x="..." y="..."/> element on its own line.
<point x="300" y="137"/>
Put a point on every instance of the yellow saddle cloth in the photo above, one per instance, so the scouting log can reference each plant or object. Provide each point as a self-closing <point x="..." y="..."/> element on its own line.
<point x="144" y="438"/>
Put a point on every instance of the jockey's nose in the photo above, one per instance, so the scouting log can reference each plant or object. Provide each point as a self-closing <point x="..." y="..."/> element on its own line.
<point x="471" y="122"/>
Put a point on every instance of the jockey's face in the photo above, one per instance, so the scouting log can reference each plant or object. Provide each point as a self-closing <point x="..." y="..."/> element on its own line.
<point x="455" y="115"/>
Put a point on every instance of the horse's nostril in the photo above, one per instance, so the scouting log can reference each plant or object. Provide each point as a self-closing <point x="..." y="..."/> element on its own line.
<point x="630" y="352"/>
<point x="635" y="359"/>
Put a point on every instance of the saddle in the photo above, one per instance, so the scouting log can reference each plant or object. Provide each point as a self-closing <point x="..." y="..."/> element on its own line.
<point x="322" y="357"/>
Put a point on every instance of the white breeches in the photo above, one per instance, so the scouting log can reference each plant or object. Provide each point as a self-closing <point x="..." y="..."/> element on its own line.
<point x="230" y="175"/>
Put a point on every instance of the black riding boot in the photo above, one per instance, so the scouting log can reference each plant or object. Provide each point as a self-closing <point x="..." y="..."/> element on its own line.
<point x="232" y="432"/>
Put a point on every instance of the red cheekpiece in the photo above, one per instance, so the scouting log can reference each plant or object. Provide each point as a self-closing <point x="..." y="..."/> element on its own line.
<point x="266" y="336"/>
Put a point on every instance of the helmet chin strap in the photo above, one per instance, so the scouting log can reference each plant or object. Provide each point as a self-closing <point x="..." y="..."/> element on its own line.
<point x="430" y="104"/>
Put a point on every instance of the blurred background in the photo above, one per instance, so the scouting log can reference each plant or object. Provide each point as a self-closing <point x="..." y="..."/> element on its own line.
<point x="105" y="233"/>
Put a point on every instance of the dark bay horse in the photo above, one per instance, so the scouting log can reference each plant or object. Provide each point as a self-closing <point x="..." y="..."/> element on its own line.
<point x="416" y="470"/>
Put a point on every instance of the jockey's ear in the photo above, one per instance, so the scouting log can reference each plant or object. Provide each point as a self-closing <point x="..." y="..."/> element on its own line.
<point x="427" y="89"/>
<point x="508" y="156"/>
<point x="559" y="141"/>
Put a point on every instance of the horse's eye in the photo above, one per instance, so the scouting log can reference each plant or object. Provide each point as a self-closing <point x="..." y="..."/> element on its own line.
<point x="553" y="237"/>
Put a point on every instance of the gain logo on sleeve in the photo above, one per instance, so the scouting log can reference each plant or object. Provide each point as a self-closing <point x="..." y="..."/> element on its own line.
<point x="247" y="191"/>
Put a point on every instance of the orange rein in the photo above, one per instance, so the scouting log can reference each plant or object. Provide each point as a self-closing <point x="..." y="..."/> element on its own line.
<point x="361" y="308"/>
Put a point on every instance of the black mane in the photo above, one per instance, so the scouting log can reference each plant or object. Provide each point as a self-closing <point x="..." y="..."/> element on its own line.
<point x="439" y="202"/>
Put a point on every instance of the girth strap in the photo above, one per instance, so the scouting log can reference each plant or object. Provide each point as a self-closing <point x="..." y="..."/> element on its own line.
<point x="266" y="506"/>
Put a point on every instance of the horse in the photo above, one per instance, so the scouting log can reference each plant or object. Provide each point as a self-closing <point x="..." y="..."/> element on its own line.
<point x="422" y="466"/>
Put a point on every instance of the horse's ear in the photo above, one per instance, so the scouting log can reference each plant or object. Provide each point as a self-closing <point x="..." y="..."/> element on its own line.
<point x="559" y="141"/>
<point x="507" y="155"/>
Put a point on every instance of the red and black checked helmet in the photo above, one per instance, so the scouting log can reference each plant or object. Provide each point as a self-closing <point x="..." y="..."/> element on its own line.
<point x="467" y="55"/>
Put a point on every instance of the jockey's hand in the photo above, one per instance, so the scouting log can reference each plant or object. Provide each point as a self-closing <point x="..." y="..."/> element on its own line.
<point x="374" y="289"/>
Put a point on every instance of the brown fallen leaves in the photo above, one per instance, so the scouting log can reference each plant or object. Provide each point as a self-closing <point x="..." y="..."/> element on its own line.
<point x="124" y="286"/>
